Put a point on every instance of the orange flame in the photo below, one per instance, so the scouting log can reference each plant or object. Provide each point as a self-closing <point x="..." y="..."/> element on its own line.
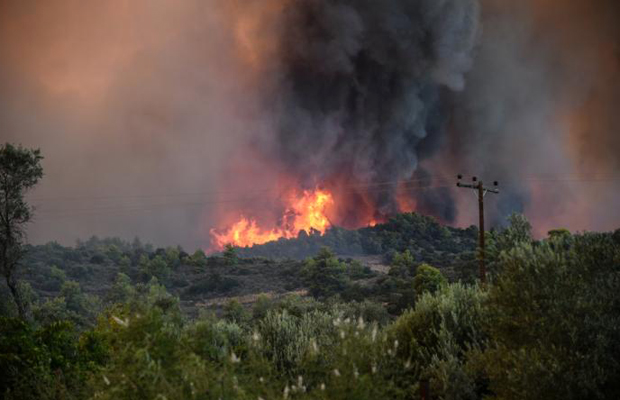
<point x="307" y="211"/>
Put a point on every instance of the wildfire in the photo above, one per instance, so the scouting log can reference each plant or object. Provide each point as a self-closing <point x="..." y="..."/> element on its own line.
<point x="306" y="211"/>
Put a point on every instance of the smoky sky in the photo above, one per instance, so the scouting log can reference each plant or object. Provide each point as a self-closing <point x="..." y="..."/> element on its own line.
<point x="149" y="113"/>
<point x="133" y="104"/>
<point x="537" y="112"/>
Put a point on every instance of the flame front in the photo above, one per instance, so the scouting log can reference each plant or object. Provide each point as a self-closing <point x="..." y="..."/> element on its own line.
<point x="306" y="211"/>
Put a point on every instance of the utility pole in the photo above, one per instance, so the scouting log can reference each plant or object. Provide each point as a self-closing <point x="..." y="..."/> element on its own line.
<point x="481" y="191"/>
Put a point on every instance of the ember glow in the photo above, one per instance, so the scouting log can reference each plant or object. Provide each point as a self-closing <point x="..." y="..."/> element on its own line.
<point x="306" y="211"/>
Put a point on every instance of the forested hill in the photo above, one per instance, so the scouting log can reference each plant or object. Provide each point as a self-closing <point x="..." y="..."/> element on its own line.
<point x="423" y="236"/>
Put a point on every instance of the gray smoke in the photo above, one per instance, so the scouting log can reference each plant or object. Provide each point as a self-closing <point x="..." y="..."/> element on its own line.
<point x="361" y="95"/>
<point x="537" y="113"/>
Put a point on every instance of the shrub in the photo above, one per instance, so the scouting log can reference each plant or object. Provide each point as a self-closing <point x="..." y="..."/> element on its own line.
<point x="324" y="274"/>
<point x="230" y="255"/>
<point x="234" y="312"/>
<point x="285" y="338"/>
<point x="438" y="334"/>
<point x="555" y="320"/>
<point x="428" y="279"/>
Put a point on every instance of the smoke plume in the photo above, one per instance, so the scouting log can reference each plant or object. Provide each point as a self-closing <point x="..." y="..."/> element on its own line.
<point x="360" y="95"/>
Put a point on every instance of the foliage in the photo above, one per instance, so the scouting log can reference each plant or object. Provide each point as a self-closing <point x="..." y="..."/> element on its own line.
<point x="198" y="259"/>
<point x="122" y="291"/>
<point x="156" y="267"/>
<point x="438" y="335"/>
<point x="559" y="233"/>
<point x="554" y="313"/>
<point x="49" y="362"/>
<point x="72" y="305"/>
<point x="428" y="279"/>
<point x="20" y="170"/>
<point x="234" y="312"/>
<point x="545" y="326"/>
<point x="230" y="255"/>
<point x="324" y="274"/>
<point x="426" y="239"/>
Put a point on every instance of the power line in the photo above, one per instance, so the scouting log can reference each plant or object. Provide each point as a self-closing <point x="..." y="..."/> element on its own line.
<point x="269" y="194"/>
<point x="435" y="178"/>
<point x="219" y="192"/>
<point x="153" y="207"/>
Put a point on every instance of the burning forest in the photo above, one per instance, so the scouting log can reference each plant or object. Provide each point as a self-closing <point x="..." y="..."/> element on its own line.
<point x="371" y="101"/>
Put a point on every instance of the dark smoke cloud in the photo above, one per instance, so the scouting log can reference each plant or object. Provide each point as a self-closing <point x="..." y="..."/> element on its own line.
<point x="378" y="91"/>
<point x="359" y="98"/>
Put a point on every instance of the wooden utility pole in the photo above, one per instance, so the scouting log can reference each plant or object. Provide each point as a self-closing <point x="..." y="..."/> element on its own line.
<point x="478" y="186"/>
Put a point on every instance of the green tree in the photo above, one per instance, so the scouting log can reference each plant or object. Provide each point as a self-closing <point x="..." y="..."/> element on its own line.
<point x="324" y="274"/>
<point x="235" y="312"/>
<point x="558" y="233"/>
<point x="124" y="264"/>
<point x="122" y="291"/>
<point x="555" y="321"/>
<point x="20" y="170"/>
<point x="173" y="257"/>
<point x="230" y="255"/>
<point x="428" y="279"/>
<point x="518" y="231"/>
<point x="157" y="267"/>
<point x="198" y="259"/>
<point x="403" y="264"/>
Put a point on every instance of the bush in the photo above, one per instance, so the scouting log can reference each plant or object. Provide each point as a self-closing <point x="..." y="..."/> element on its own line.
<point x="234" y="312"/>
<point x="555" y="320"/>
<point x="285" y="338"/>
<point x="45" y="363"/>
<point x="324" y="274"/>
<point x="122" y="291"/>
<point x="55" y="279"/>
<point x="428" y="279"/>
<point x="438" y="335"/>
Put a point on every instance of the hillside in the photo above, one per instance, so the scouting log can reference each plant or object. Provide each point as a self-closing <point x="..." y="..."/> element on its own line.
<point x="377" y="264"/>
<point x="423" y="236"/>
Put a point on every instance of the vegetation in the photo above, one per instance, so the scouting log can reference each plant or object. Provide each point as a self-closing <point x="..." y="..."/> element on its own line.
<point x="119" y="320"/>
<point x="549" y="315"/>
<point x="20" y="170"/>
<point x="426" y="239"/>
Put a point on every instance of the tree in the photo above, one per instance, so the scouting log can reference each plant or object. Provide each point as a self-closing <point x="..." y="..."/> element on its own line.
<point x="198" y="259"/>
<point x="518" y="231"/>
<point x="230" y="255"/>
<point x="559" y="233"/>
<point x="157" y="267"/>
<point x="428" y="279"/>
<point x="20" y="170"/>
<point x="555" y="320"/>
<point x="324" y="274"/>
<point x="403" y="264"/>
